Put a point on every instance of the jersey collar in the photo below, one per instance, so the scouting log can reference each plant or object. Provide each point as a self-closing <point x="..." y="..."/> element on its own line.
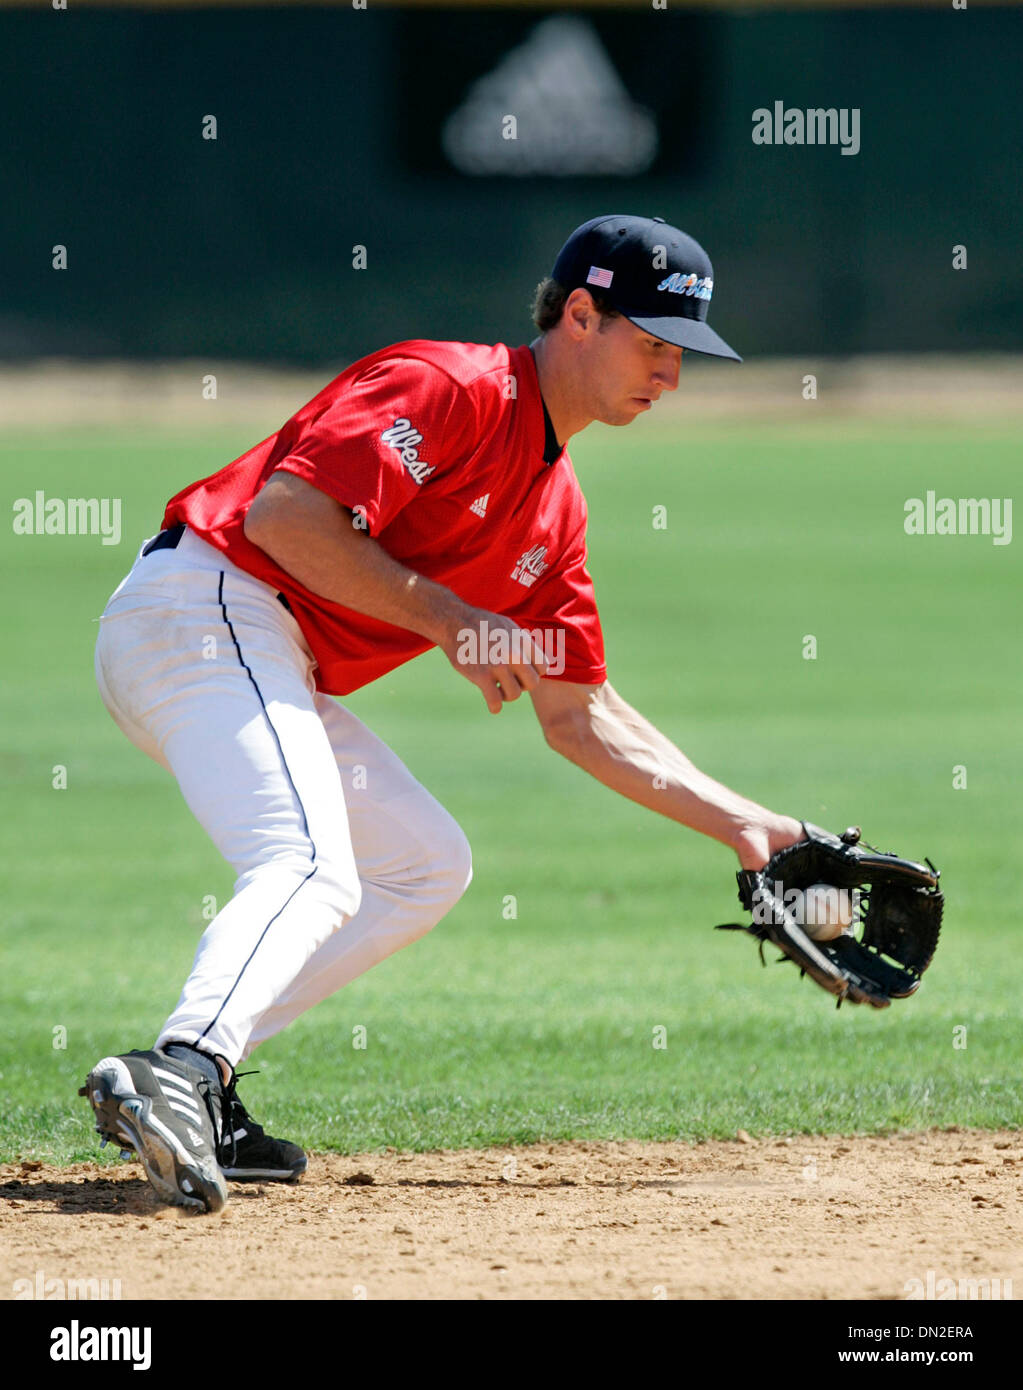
<point x="551" y="449"/>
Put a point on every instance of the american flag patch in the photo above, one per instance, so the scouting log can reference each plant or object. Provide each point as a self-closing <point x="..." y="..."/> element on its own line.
<point x="599" y="277"/>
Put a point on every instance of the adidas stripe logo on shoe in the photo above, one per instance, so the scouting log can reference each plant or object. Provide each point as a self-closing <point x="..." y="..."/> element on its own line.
<point x="168" y="1111"/>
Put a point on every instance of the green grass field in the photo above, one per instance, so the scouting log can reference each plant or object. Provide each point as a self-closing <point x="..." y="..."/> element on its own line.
<point x="494" y="1031"/>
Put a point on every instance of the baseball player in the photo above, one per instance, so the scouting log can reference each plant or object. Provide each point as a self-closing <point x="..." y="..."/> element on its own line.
<point x="425" y="497"/>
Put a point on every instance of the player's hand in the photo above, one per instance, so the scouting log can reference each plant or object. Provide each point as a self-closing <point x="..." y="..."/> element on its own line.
<point x="497" y="655"/>
<point x="757" y="842"/>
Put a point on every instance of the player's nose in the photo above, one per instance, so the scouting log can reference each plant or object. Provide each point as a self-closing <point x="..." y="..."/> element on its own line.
<point x="667" y="374"/>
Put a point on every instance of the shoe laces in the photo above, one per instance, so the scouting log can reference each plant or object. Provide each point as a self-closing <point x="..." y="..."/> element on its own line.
<point x="235" y="1115"/>
<point x="205" y="1089"/>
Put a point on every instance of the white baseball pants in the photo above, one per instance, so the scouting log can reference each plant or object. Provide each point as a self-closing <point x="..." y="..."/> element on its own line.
<point x="341" y="856"/>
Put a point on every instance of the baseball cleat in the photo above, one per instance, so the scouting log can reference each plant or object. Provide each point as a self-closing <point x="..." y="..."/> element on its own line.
<point x="166" y="1111"/>
<point x="247" y="1154"/>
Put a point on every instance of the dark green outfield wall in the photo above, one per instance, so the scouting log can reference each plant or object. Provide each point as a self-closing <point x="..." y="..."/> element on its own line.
<point x="328" y="137"/>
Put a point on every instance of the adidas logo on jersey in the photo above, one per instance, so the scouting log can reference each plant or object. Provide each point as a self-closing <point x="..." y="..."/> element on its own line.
<point x="403" y="438"/>
<point x="480" y="505"/>
<point x="530" y="566"/>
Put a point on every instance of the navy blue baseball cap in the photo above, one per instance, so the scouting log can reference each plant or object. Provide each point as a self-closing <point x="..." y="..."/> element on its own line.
<point x="657" y="277"/>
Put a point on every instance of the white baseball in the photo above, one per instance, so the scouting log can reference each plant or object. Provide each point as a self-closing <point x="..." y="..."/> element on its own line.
<point x="827" y="911"/>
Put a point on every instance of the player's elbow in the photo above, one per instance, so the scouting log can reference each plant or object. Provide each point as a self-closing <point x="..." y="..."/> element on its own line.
<point x="279" y="530"/>
<point x="253" y="526"/>
<point x="261" y="523"/>
<point x="284" y="508"/>
<point x="569" y="714"/>
<point x="565" y="735"/>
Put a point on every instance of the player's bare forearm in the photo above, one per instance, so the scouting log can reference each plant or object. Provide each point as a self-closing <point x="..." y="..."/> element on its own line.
<point x="315" y="539"/>
<point x="595" y="728"/>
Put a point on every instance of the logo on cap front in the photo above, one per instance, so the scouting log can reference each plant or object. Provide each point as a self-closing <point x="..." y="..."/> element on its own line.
<point x="698" y="287"/>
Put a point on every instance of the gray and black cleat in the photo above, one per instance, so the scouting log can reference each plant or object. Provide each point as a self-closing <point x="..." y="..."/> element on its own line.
<point x="168" y="1112"/>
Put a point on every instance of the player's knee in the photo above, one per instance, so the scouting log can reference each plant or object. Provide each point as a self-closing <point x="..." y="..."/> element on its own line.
<point x="452" y="865"/>
<point x="333" y="884"/>
<point x="347" y="899"/>
<point x="340" y="888"/>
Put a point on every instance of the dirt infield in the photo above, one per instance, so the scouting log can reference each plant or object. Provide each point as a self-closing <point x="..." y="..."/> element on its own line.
<point x="808" y="1217"/>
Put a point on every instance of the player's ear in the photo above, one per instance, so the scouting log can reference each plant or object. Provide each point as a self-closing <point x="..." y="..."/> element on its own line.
<point x="580" y="313"/>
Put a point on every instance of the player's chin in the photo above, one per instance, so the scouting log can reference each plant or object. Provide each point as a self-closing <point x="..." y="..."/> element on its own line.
<point x="632" y="408"/>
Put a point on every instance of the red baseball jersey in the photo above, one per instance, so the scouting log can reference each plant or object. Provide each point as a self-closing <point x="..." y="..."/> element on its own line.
<point x="438" y="449"/>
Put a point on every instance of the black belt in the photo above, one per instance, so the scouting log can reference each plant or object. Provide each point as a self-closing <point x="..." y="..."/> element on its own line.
<point x="169" y="540"/>
<point x="166" y="540"/>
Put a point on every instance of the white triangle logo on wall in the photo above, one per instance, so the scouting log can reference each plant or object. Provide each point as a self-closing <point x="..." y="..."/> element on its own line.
<point x="573" y="114"/>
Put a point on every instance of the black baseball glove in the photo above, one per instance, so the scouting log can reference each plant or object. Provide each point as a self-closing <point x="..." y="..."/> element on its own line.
<point x="894" y="904"/>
